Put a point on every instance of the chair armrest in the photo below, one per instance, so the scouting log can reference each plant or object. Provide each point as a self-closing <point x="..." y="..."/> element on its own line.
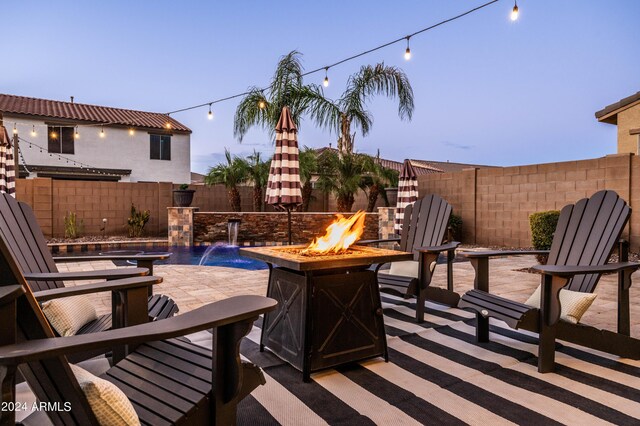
<point x="439" y="249"/>
<point x="213" y="315"/>
<point x="498" y="253"/>
<point x="114" y="285"/>
<point x="152" y="257"/>
<point x="103" y="274"/>
<point x="10" y="293"/>
<point x="367" y="242"/>
<point x="571" y="270"/>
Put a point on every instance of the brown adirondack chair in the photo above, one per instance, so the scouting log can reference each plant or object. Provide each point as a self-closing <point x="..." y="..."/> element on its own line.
<point x="167" y="380"/>
<point x="584" y="238"/>
<point x="28" y="245"/>
<point x="423" y="232"/>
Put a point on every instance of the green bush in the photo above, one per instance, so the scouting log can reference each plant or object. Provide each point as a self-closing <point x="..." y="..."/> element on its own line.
<point x="137" y="221"/>
<point x="543" y="225"/>
<point x="72" y="226"/>
<point x="455" y="226"/>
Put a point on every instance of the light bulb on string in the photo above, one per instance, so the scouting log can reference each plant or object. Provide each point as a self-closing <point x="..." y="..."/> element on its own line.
<point x="102" y="135"/>
<point x="210" y="114"/>
<point x="76" y="134"/>
<point x="131" y="132"/>
<point x="54" y="135"/>
<point x="407" y="53"/>
<point x="15" y="129"/>
<point x="262" y="104"/>
<point x="515" y="11"/>
<point x="325" y="83"/>
<point x="33" y="131"/>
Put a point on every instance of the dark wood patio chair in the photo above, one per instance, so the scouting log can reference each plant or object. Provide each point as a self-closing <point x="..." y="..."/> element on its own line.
<point x="167" y="380"/>
<point x="584" y="238"/>
<point x="39" y="267"/>
<point x="423" y="232"/>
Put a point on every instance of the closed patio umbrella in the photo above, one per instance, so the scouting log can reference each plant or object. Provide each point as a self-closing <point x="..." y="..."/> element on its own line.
<point x="7" y="165"/>
<point x="407" y="192"/>
<point x="283" y="187"/>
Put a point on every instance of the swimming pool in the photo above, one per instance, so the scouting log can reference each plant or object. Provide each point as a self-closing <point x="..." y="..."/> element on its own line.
<point x="214" y="255"/>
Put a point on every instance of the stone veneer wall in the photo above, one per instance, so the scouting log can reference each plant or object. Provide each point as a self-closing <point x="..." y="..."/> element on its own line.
<point x="181" y="226"/>
<point x="269" y="228"/>
<point x="386" y="219"/>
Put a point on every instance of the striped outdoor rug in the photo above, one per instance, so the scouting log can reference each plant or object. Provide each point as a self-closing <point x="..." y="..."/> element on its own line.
<point x="437" y="374"/>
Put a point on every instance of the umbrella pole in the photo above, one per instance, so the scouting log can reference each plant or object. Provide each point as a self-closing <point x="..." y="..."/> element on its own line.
<point x="289" y="223"/>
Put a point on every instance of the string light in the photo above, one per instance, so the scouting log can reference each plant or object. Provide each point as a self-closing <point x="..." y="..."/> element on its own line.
<point x="210" y="115"/>
<point x="33" y="132"/>
<point x="76" y="135"/>
<point x="407" y="53"/>
<point x="325" y="83"/>
<point x="261" y="104"/>
<point x="131" y="131"/>
<point x="15" y="129"/>
<point x="515" y="11"/>
<point x="102" y="132"/>
<point x="54" y="135"/>
<point x="350" y="58"/>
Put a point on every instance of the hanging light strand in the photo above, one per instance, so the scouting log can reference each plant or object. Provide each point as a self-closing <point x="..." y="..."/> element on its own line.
<point x="350" y="58"/>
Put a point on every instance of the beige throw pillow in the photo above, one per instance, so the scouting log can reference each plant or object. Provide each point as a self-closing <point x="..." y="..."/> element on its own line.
<point x="408" y="268"/>
<point x="573" y="303"/>
<point x="109" y="404"/>
<point x="69" y="314"/>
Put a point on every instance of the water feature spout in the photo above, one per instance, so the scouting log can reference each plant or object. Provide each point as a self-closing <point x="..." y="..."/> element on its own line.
<point x="232" y="231"/>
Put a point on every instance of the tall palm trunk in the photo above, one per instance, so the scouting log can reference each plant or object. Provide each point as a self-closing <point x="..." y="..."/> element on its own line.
<point x="345" y="202"/>
<point x="257" y="198"/>
<point x="307" y="189"/>
<point x="234" y="199"/>
<point x="345" y="142"/>
<point x="374" y="191"/>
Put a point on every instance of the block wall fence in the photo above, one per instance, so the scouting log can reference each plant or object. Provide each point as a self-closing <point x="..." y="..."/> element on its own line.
<point x="495" y="203"/>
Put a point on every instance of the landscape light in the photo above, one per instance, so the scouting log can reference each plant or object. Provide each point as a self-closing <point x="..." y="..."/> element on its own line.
<point x="210" y="115"/>
<point x="325" y="83"/>
<point x="514" y="12"/>
<point x="407" y="53"/>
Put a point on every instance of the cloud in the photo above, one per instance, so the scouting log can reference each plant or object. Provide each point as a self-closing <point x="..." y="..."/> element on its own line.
<point x="457" y="145"/>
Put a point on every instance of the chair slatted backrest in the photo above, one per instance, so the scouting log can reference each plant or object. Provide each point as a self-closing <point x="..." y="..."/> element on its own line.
<point x="26" y="241"/>
<point x="587" y="233"/>
<point x="51" y="380"/>
<point x="425" y="223"/>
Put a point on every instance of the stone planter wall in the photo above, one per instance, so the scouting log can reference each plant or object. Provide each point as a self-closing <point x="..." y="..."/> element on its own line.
<point x="269" y="228"/>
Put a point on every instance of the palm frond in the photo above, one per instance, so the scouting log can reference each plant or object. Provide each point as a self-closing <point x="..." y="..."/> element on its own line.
<point x="249" y="113"/>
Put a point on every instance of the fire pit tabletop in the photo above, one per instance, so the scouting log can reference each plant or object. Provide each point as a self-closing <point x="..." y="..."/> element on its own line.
<point x="285" y="256"/>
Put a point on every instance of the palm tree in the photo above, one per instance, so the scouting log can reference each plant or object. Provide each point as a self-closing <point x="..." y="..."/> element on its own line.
<point x="376" y="179"/>
<point x="263" y="107"/>
<point x="342" y="174"/>
<point x="350" y="110"/>
<point x="230" y="174"/>
<point x="308" y="167"/>
<point x="258" y="174"/>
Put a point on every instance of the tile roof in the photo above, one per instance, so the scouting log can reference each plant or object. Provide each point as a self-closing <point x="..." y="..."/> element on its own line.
<point x="605" y="113"/>
<point x="89" y="113"/>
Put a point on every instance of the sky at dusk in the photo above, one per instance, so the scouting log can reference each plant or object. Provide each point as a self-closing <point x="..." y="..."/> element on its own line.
<point x="487" y="90"/>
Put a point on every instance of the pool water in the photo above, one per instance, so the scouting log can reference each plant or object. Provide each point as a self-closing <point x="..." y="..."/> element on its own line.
<point x="214" y="255"/>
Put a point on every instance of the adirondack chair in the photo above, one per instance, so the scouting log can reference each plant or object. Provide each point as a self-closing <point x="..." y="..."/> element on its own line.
<point x="584" y="238"/>
<point x="423" y="233"/>
<point x="27" y="243"/>
<point x="167" y="380"/>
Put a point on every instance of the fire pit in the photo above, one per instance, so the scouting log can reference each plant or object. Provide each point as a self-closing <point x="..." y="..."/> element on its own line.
<point x="329" y="310"/>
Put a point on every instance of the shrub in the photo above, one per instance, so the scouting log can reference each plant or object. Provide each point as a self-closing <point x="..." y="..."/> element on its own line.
<point x="184" y="186"/>
<point x="455" y="227"/>
<point x="137" y="221"/>
<point x="543" y="225"/>
<point x="72" y="226"/>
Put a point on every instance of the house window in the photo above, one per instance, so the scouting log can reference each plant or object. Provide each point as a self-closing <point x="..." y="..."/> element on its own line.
<point x="160" y="147"/>
<point x="60" y="140"/>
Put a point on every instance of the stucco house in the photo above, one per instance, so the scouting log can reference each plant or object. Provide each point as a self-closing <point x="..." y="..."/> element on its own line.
<point x="626" y="115"/>
<point x="69" y="140"/>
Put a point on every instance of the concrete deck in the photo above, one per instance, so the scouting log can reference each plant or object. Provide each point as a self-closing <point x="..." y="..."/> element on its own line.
<point x="194" y="286"/>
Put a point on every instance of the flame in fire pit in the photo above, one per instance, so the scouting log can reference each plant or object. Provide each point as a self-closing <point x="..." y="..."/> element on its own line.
<point x="341" y="234"/>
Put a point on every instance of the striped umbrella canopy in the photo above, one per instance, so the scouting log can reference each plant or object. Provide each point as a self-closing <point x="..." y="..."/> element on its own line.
<point x="284" y="188"/>
<point x="7" y="164"/>
<point x="407" y="192"/>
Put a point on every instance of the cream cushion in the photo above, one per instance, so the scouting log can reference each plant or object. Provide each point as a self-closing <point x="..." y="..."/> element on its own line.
<point x="573" y="304"/>
<point x="109" y="404"/>
<point x="69" y="314"/>
<point x="406" y="268"/>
